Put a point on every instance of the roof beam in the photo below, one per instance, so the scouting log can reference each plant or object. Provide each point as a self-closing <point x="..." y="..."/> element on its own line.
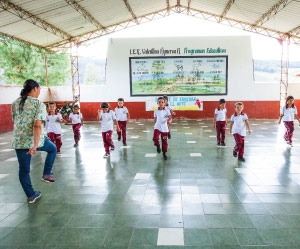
<point x="168" y="5"/>
<point x="85" y="13"/>
<point x="111" y="29"/>
<point x="189" y="4"/>
<point x="227" y="8"/>
<point x="294" y="37"/>
<point x="21" y="41"/>
<point x="272" y="12"/>
<point x="131" y="11"/>
<point x="295" y="31"/>
<point x="25" y="15"/>
<point x="241" y="25"/>
<point x="185" y="10"/>
<point x="177" y="7"/>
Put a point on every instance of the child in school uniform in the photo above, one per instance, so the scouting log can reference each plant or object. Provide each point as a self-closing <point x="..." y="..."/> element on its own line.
<point x="122" y="115"/>
<point x="239" y="122"/>
<point x="107" y="117"/>
<point x="53" y="127"/>
<point x="220" y="122"/>
<point x="288" y="114"/>
<point x="77" y="122"/>
<point x="167" y="106"/>
<point x="162" y="118"/>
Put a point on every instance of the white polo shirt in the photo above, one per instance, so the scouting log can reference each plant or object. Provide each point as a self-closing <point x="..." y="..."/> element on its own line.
<point x="162" y="117"/>
<point x="121" y="113"/>
<point x="52" y="125"/>
<point x="239" y="124"/>
<point x="288" y="113"/>
<point x="107" y="120"/>
<point x="220" y="114"/>
<point x="76" y="118"/>
<point x="169" y="108"/>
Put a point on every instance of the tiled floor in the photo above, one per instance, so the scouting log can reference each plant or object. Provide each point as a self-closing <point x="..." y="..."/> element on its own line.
<point x="201" y="197"/>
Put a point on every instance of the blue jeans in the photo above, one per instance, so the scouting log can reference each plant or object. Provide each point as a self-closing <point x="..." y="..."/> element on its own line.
<point x="24" y="165"/>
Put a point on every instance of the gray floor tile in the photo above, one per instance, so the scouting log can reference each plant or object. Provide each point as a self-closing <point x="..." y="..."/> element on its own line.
<point x="123" y="201"/>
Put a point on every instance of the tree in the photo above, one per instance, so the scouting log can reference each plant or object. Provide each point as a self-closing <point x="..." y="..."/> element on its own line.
<point x="22" y="61"/>
<point x="157" y="69"/>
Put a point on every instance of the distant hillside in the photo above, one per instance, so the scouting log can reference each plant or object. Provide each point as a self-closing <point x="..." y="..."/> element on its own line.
<point x="270" y="70"/>
<point x="91" y="70"/>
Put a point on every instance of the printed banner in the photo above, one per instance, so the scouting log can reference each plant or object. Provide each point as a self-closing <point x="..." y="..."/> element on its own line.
<point x="178" y="103"/>
<point x="197" y="75"/>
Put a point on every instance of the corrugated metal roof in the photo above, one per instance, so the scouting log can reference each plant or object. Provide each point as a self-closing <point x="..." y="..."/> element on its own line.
<point x="54" y="24"/>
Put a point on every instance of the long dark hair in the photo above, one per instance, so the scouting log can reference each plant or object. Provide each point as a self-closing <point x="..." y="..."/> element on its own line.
<point x="287" y="99"/>
<point x="27" y="87"/>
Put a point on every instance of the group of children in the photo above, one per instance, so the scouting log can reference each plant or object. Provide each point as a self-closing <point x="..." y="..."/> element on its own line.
<point x="163" y="118"/>
<point x="53" y="127"/>
<point x="239" y="123"/>
<point x="238" y="126"/>
<point x="108" y="118"/>
<point x="119" y="117"/>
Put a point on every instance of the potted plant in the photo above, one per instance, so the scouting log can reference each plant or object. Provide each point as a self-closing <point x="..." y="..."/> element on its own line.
<point x="65" y="110"/>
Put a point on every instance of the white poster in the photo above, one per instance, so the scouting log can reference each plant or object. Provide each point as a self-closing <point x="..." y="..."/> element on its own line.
<point x="178" y="103"/>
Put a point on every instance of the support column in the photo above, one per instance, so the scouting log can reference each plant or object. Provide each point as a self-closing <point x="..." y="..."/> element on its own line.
<point x="284" y="75"/>
<point x="75" y="73"/>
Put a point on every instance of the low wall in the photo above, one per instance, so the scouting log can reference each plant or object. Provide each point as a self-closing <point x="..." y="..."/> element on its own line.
<point x="6" y="123"/>
<point x="254" y="109"/>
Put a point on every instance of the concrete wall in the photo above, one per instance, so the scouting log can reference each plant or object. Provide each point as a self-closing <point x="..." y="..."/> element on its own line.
<point x="261" y="100"/>
<point x="254" y="108"/>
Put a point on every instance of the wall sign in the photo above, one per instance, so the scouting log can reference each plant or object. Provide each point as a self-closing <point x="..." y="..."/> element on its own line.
<point x="178" y="75"/>
<point x="178" y="103"/>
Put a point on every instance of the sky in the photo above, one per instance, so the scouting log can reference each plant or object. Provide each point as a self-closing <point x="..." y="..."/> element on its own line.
<point x="178" y="25"/>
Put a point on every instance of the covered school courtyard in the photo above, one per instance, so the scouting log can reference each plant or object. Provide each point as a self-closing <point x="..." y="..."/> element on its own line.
<point x="201" y="197"/>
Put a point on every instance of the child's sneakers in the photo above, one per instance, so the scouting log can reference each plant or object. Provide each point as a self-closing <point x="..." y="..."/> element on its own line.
<point x="106" y="155"/>
<point x="47" y="178"/>
<point x="165" y="156"/>
<point x="32" y="199"/>
<point x="158" y="149"/>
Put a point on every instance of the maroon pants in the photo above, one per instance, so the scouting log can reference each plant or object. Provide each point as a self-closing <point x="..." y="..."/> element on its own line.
<point x="221" y="131"/>
<point x="107" y="141"/>
<point x="289" y="125"/>
<point x="239" y="145"/>
<point x="76" y="131"/>
<point x="122" y="132"/>
<point x="56" y="139"/>
<point x="164" y="139"/>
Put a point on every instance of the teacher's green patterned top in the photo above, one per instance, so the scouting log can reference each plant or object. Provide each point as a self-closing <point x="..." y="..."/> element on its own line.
<point x="33" y="110"/>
